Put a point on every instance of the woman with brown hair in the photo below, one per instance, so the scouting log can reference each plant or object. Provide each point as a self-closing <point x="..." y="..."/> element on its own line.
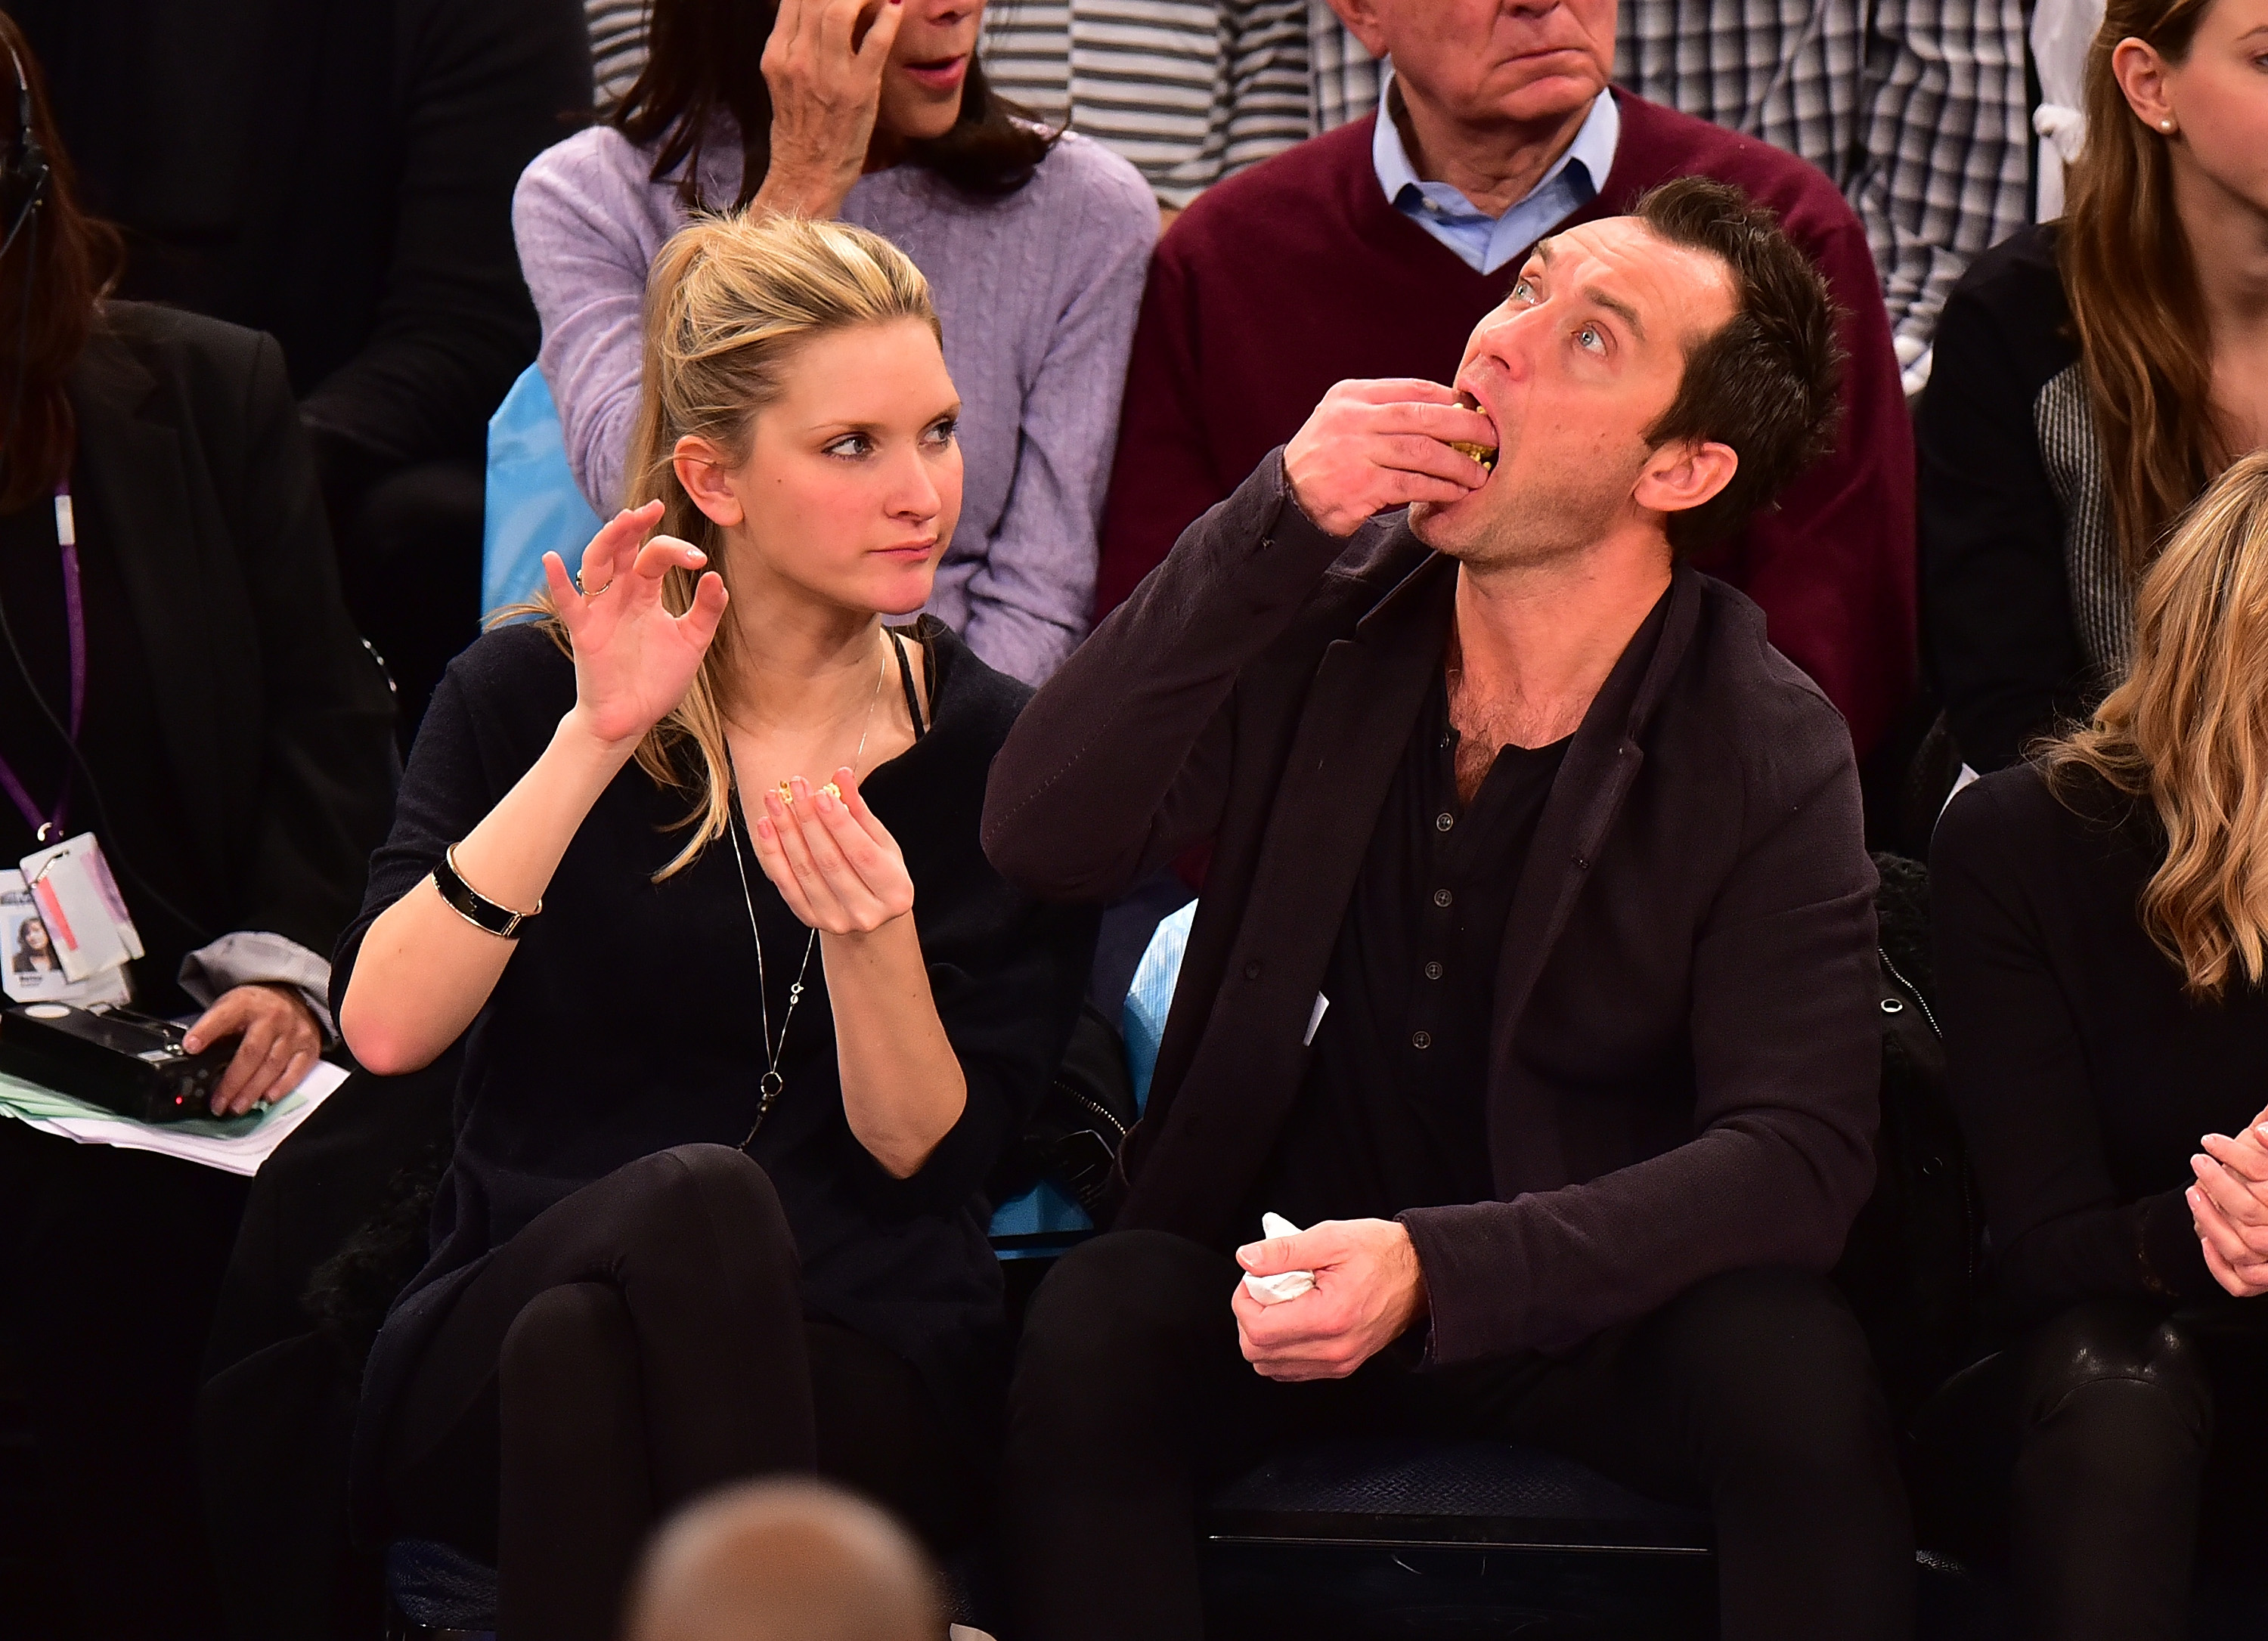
<point x="2102" y="971"/>
<point x="2093" y="373"/>
<point x="179" y="676"/>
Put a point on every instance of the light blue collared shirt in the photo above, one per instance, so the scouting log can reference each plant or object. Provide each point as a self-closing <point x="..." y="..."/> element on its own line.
<point x="1483" y="242"/>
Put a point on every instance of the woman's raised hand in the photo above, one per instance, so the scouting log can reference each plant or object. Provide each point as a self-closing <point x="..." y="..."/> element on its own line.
<point x="835" y="865"/>
<point x="826" y="92"/>
<point x="634" y="661"/>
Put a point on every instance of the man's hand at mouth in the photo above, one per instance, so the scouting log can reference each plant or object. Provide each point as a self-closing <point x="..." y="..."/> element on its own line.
<point x="1378" y="445"/>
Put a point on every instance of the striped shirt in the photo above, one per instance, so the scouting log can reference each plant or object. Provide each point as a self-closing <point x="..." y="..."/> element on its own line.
<point x="1190" y="91"/>
<point x="1916" y="108"/>
<point x="617" y="46"/>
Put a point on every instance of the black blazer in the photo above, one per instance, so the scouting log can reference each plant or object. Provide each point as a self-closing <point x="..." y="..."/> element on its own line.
<point x="335" y="172"/>
<point x="276" y="720"/>
<point x="1685" y="1056"/>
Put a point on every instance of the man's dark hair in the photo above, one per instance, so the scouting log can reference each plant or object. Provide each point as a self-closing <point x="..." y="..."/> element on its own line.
<point x="1769" y="381"/>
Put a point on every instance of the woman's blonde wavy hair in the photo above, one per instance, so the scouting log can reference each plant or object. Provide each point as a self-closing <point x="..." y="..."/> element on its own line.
<point x="731" y="300"/>
<point x="2188" y="731"/>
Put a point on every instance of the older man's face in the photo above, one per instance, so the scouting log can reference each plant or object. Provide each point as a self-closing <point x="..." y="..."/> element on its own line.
<point x="1487" y="60"/>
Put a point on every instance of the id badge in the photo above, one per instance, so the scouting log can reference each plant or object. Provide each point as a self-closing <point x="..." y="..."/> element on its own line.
<point x="31" y="967"/>
<point x="78" y="902"/>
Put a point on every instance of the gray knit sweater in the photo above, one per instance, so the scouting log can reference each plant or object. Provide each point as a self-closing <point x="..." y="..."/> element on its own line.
<point x="1037" y="294"/>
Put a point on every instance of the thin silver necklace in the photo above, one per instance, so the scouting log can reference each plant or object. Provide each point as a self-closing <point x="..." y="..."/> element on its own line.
<point x="769" y="1086"/>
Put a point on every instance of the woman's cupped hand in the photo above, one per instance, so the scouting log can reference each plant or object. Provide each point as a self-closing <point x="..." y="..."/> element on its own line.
<point x="634" y="661"/>
<point x="2229" y="1206"/>
<point x="835" y="865"/>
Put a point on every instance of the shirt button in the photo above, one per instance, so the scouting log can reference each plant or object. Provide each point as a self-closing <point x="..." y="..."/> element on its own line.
<point x="1421" y="1040"/>
<point x="1443" y="821"/>
<point x="1442" y="897"/>
<point x="1432" y="971"/>
<point x="1252" y="971"/>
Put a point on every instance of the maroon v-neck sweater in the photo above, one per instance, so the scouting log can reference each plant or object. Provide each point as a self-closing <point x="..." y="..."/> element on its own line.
<point x="1298" y="274"/>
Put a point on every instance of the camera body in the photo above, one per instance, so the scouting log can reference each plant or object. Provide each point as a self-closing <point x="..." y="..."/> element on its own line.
<point x="131" y="1063"/>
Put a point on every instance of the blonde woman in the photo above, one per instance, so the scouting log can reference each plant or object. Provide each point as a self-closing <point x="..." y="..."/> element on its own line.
<point x="2102" y="965"/>
<point x="692" y="866"/>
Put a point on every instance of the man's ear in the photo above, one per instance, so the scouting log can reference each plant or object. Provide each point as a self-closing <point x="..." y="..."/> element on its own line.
<point x="1683" y="474"/>
<point x="701" y="470"/>
<point x="1362" y="21"/>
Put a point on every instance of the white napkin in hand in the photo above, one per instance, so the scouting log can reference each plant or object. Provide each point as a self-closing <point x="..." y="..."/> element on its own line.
<point x="1284" y="1284"/>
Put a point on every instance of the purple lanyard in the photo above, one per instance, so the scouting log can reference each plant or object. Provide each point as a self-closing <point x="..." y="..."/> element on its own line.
<point x="49" y="828"/>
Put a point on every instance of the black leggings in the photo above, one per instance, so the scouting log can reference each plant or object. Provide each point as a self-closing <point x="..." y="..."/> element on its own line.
<point x="1752" y="1393"/>
<point x="639" y="1342"/>
<point x="2093" y="1451"/>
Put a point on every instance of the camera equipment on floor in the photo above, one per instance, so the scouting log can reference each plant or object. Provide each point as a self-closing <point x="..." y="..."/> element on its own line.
<point x="112" y="1057"/>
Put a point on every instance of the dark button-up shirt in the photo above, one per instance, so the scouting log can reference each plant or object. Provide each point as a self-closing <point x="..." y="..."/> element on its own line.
<point x="1392" y="1112"/>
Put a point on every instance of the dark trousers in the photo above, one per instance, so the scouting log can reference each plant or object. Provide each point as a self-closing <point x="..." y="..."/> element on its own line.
<point x="2094" y="1450"/>
<point x="109" y="1263"/>
<point x="1752" y="1393"/>
<point x="638" y="1344"/>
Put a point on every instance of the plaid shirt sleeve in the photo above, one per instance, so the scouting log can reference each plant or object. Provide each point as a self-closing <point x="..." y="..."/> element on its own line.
<point x="1916" y="108"/>
<point x="1947" y="154"/>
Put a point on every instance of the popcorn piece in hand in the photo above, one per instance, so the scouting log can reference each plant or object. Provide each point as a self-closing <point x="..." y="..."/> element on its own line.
<point x="1284" y="1284"/>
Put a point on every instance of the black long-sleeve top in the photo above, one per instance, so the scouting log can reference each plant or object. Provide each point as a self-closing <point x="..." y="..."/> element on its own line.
<point x="336" y="172"/>
<point x="1998" y="638"/>
<point x="627" y="1021"/>
<point x="2083" y="1076"/>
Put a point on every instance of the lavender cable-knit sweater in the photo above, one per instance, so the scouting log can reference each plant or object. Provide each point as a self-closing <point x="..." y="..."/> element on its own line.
<point x="1037" y="294"/>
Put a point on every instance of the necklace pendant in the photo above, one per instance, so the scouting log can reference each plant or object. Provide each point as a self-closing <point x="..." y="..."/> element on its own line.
<point x="771" y="1085"/>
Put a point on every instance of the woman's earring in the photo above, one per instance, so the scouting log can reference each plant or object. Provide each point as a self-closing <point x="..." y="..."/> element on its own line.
<point x="2167" y="125"/>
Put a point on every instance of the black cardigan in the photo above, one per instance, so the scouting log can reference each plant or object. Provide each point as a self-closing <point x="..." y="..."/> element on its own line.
<point x="1685" y="1051"/>
<point x="336" y="172"/>
<point x="2083" y="1077"/>
<point x="1998" y="633"/>
<point x="626" y="1021"/>
<point x="275" y="723"/>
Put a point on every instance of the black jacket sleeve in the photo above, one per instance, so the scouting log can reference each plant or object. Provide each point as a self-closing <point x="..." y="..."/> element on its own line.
<point x="482" y="86"/>
<point x="327" y="771"/>
<point x="1121" y="760"/>
<point x="1997" y="624"/>
<point x="2018" y="1075"/>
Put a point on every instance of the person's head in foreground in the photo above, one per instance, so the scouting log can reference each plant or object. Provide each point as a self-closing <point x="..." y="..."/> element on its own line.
<point x="1663" y="374"/>
<point x="2187" y="731"/>
<point x="785" y="1561"/>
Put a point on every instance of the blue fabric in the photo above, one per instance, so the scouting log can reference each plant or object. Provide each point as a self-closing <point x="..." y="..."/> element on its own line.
<point x="1044" y="1212"/>
<point x="1143" y="1022"/>
<point x="533" y="506"/>
<point x="1483" y="242"/>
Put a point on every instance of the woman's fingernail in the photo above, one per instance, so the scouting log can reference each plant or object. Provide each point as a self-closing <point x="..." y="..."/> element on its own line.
<point x="194" y="1044"/>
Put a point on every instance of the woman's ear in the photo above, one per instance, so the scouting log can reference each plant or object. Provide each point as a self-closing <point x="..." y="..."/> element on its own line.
<point x="2141" y="74"/>
<point x="1681" y="477"/>
<point x="701" y="470"/>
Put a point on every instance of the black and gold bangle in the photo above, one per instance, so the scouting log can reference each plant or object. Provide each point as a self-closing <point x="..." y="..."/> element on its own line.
<point x="472" y="906"/>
